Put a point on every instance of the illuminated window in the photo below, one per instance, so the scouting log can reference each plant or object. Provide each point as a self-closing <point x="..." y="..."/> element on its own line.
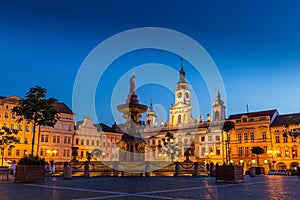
<point x="240" y="151"/>
<point x="240" y="137"/>
<point x="12" y="127"/>
<point x="264" y="136"/>
<point x="252" y="137"/>
<point x="246" y="151"/>
<point x="277" y="139"/>
<point x="17" y="152"/>
<point x="25" y="140"/>
<point x="245" y="136"/>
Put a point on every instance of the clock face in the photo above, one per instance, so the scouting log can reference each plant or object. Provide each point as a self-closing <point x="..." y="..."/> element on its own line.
<point x="179" y="94"/>
<point x="187" y="95"/>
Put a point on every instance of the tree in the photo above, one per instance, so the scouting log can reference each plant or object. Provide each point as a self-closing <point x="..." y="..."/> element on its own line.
<point x="8" y="139"/>
<point x="36" y="109"/>
<point x="294" y="122"/>
<point x="227" y="127"/>
<point x="258" y="151"/>
<point x="170" y="147"/>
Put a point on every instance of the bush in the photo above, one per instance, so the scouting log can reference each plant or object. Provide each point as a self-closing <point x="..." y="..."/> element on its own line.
<point x="31" y="160"/>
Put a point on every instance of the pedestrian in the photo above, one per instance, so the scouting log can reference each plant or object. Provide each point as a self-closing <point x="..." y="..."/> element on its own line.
<point x="52" y="166"/>
<point x="13" y="168"/>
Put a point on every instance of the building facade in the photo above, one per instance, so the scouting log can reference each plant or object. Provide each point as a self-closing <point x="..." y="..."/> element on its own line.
<point x="201" y="139"/>
<point x="50" y="143"/>
<point x="97" y="140"/>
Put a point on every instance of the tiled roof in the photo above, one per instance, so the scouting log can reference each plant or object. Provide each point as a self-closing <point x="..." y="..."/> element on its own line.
<point x="281" y="119"/>
<point x="254" y="114"/>
<point x="105" y="128"/>
<point x="63" y="108"/>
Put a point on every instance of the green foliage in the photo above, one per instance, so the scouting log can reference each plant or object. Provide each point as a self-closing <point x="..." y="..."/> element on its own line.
<point x="257" y="150"/>
<point x="31" y="160"/>
<point x="36" y="109"/>
<point x="8" y="138"/>
<point x="228" y="126"/>
<point x="290" y="121"/>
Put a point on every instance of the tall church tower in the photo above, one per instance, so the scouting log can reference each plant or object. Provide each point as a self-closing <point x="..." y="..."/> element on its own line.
<point x="151" y="117"/>
<point x="180" y="113"/>
<point x="219" y="109"/>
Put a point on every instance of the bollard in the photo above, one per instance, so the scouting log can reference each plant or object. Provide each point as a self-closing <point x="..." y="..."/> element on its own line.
<point x="115" y="171"/>
<point x="86" y="169"/>
<point x="177" y="169"/>
<point x="196" y="169"/>
<point x="147" y="174"/>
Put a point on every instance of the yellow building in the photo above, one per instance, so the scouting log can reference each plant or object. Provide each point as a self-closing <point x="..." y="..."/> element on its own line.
<point x="285" y="147"/>
<point x="54" y="144"/>
<point x="251" y="129"/>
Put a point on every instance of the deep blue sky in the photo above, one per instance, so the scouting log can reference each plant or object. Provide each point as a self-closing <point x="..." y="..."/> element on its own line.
<point x="255" y="45"/>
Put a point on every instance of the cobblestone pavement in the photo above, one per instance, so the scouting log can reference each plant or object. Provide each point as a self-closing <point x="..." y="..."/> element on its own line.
<point x="80" y="188"/>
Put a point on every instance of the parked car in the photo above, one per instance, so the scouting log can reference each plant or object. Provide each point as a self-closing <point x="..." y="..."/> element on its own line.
<point x="272" y="172"/>
<point x="282" y="172"/>
<point x="292" y="172"/>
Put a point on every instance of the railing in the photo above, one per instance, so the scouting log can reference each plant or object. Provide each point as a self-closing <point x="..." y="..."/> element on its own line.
<point x="147" y="168"/>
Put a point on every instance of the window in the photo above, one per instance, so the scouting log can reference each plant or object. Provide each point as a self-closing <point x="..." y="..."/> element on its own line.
<point x="93" y="143"/>
<point x="5" y="125"/>
<point x="69" y="140"/>
<point x="202" y="139"/>
<point x="240" y="137"/>
<point x="240" y="151"/>
<point x="252" y="137"/>
<point x="65" y="139"/>
<point x="217" y="138"/>
<point x="12" y="127"/>
<point x="113" y="145"/>
<point x="46" y="138"/>
<point x="245" y="136"/>
<point x="209" y="138"/>
<point x="294" y="139"/>
<point x="25" y="152"/>
<point x="77" y="141"/>
<point x="97" y="143"/>
<point x="285" y="139"/>
<point x="264" y="136"/>
<point x="87" y="142"/>
<point x="13" y="116"/>
<point x="68" y="153"/>
<point x="246" y="151"/>
<point x="294" y="153"/>
<point x="153" y="142"/>
<point x="42" y="152"/>
<point x="103" y="144"/>
<point x="277" y="139"/>
<point x="42" y="138"/>
<point x="9" y="152"/>
<point x="25" y="140"/>
<point x="56" y="139"/>
<point x="64" y="153"/>
<point x="81" y="153"/>
<point x="265" y="149"/>
<point x="19" y="127"/>
<point x="286" y="153"/>
<point x="17" y="152"/>
<point x="218" y="151"/>
<point x="82" y="141"/>
<point x="5" y="115"/>
<point x="27" y="128"/>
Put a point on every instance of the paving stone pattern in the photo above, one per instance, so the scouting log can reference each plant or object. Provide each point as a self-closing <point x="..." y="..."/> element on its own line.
<point x="80" y="188"/>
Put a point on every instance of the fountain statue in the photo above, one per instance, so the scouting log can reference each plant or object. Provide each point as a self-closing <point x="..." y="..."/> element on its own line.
<point x="132" y="144"/>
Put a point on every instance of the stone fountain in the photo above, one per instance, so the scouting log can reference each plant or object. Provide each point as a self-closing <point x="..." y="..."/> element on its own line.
<point x="132" y="144"/>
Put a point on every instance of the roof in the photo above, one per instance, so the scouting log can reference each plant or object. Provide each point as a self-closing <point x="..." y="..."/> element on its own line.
<point x="282" y="119"/>
<point x="269" y="113"/>
<point x="63" y="108"/>
<point x="105" y="128"/>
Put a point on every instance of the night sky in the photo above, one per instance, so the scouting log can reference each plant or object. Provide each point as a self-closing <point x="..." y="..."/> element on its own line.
<point x="254" y="44"/>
